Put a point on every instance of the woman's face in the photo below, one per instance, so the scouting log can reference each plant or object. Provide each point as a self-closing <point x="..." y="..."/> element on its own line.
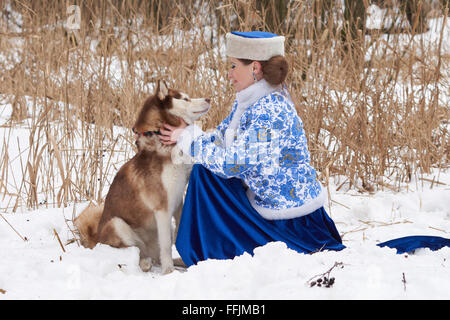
<point x="240" y="74"/>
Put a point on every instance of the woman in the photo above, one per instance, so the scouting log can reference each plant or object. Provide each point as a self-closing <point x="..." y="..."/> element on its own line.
<point x="252" y="182"/>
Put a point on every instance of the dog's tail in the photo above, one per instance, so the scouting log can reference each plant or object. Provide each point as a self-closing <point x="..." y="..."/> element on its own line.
<point x="87" y="224"/>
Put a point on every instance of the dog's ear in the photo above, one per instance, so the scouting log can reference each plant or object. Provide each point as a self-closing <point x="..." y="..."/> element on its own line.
<point x="162" y="90"/>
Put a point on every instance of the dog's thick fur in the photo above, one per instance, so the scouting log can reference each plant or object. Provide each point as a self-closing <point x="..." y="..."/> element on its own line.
<point x="148" y="190"/>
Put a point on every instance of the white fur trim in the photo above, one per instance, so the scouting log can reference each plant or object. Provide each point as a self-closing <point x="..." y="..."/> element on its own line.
<point x="289" y="213"/>
<point x="259" y="49"/>
<point x="254" y="92"/>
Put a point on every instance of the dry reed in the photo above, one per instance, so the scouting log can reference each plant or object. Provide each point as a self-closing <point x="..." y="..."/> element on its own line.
<point x="376" y="114"/>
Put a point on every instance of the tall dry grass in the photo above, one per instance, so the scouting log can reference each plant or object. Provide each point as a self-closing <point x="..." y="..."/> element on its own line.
<point x="374" y="121"/>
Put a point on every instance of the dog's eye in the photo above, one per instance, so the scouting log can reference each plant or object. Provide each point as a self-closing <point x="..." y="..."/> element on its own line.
<point x="186" y="99"/>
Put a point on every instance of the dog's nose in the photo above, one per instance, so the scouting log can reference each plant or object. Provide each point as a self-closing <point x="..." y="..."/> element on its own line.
<point x="208" y="100"/>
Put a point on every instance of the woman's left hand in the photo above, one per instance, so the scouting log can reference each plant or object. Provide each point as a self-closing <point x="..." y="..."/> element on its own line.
<point x="170" y="134"/>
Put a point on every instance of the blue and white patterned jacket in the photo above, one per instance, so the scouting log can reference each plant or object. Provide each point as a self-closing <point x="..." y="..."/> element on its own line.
<point x="263" y="143"/>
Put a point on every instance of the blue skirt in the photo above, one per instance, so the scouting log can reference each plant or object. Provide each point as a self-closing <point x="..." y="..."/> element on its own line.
<point x="219" y="222"/>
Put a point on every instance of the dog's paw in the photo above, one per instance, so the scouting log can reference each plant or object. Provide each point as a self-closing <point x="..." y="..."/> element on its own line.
<point x="145" y="264"/>
<point x="178" y="262"/>
<point x="168" y="269"/>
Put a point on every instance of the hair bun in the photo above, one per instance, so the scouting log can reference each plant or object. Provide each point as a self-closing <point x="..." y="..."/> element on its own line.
<point x="275" y="70"/>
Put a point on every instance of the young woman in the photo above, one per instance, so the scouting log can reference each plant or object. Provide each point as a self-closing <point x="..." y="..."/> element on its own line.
<point x="252" y="182"/>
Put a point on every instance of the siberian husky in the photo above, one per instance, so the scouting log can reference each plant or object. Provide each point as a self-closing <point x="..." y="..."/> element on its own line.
<point x="148" y="190"/>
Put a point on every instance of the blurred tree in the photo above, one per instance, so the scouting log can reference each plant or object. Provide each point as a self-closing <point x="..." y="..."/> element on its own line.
<point x="414" y="10"/>
<point x="354" y="24"/>
<point x="274" y="13"/>
<point x="323" y="15"/>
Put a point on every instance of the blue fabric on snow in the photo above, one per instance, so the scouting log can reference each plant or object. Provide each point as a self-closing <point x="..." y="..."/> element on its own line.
<point x="255" y="34"/>
<point x="410" y="243"/>
<point x="219" y="222"/>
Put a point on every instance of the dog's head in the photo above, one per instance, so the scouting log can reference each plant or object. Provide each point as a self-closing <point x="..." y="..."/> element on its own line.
<point x="167" y="106"/>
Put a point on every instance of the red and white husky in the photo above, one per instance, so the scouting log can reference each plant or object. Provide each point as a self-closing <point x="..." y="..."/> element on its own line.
<point x="148" y="190"/>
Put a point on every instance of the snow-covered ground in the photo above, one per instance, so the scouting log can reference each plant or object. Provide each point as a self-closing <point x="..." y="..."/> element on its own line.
<point x="34" y="265"/>
<point x="39" y="269"/>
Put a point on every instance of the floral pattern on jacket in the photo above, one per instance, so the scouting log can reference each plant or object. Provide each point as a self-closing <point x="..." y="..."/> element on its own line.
<point x="269" y="153"/>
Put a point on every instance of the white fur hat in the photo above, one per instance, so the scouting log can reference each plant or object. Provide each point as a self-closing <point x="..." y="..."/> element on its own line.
<point x="254" y="45"/>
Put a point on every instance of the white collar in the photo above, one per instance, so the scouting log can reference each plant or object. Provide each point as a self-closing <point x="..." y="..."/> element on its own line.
<point x="253" y="93"/>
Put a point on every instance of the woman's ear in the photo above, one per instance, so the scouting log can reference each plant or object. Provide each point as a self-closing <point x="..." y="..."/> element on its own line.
<point x="257" y="68"/>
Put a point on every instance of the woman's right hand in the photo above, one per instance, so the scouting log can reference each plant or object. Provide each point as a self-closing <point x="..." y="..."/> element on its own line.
<point x="169" y="134"/>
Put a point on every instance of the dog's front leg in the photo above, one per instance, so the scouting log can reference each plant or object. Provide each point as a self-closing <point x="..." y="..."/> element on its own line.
<point x="177" y="216"/>
<point x="163" y="222"/>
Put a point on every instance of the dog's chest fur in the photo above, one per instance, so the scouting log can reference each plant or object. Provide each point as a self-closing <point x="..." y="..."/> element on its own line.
<point x="150" y="182"/>
<point x="162" y="172"/>
<point x="174" y="179"/>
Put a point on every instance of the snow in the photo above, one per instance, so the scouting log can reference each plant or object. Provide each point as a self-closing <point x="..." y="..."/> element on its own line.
<point x="430" y="39"/>
<point x="39" y="268"/>
<point x="33" y="264"/>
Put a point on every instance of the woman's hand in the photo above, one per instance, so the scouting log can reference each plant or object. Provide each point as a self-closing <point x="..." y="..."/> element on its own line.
<point x="170" y="134"/>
